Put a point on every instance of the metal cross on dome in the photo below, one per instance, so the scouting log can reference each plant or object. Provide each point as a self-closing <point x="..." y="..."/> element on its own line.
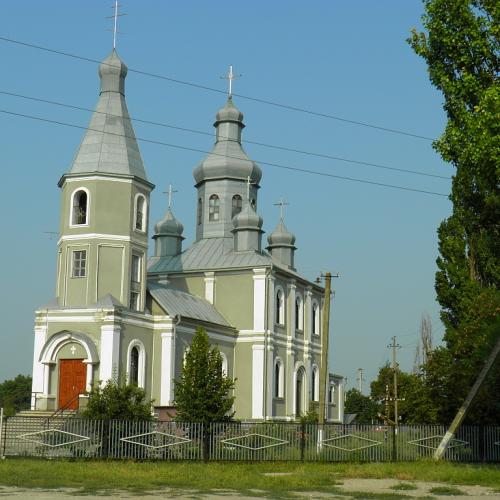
<point x="282" y="203"/>
<point x="230" y="77"/>
<point x="170" y="193"/>
<point x="249" y="183"/>
<point x="115" y="17"/>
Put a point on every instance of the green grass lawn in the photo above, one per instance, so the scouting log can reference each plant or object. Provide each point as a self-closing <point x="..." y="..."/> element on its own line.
<point x="108" y="475"/>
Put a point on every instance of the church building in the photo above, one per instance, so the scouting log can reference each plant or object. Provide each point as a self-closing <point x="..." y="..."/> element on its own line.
<point x="123" y="315"/>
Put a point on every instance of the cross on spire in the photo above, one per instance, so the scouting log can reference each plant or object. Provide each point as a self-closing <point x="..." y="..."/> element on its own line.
<point x="170" y="193"/>
<point x="115" y="17"/>
<point x="249" y="183"/>
<point x="282" y="203"/>
<point x="230" y="77"/>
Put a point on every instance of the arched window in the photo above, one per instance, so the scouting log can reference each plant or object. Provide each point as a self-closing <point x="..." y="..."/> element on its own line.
<point x="299" y="313"/>
<point x="200" y="211"/>
<point x="140" y="213"/>
<point x="315" y="384"/>
<point x="134" y="366"/>
<point x="136" y="363"/>
<point x="237" y="205"/>
<point x="224" y="364"/>
<point x="331" y="394"/>
<point x="213" y="208"/>
<point x="279" y="379"/>
<point x="280" y="307"/>
<point x="79" y="209"/>
<point x="315" y="318"/>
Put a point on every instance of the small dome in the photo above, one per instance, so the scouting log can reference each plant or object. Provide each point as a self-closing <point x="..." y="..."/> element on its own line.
<point x="169" y="226"/>
<point x="112" y="72"/>
<point x="281" y="237"/>
<point x="247" y="219"/>
<point x="229" y="113"/>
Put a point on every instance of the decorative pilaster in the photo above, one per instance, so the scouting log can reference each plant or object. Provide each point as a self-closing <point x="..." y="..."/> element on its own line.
<point x="110" y="353"/>
<point x="167" y="367"/>
<point x="308" y="314"/>
<point x="259" y="299"/>
<point x="258" y="381"/>
<point x="210" y="287"/>
<point x="270" y="380"/>
<point x="38" y="367"/>
<point x="291" y="308"/>
<point x="290" y="380"/>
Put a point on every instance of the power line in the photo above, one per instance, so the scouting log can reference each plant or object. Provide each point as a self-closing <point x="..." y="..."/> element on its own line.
<point x="277" y="165"/>
<point x="201" y="132"/>
<point x="211" y="89"/>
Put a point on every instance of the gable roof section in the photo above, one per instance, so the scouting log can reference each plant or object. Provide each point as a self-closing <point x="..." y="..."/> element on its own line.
<point x="176" y="302"/>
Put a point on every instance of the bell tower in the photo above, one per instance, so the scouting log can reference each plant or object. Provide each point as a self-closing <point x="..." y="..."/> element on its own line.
<point x="103" y="245"/>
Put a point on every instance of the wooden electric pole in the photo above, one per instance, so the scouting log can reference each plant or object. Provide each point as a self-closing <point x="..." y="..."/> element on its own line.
<point x="395" y="346"/>
<point x="325" y="330"/>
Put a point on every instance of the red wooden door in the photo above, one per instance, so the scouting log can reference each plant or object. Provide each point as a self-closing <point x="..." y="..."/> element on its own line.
<point x="72" y="381"/>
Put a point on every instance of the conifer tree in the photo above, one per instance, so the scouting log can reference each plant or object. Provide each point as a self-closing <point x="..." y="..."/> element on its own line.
<point x="203" y="393"/>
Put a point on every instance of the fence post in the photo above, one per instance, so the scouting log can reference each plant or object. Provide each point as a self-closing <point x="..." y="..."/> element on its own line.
<point x="105" y="438"/>
<point x="302" y="440"/>
<point x="482" y="443"/>
<point x="1" y="434"/>
<point x="394" y="444"/>
<point x="206" y="441"/>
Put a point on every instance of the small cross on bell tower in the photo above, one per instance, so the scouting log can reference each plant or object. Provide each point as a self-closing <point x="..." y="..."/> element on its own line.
<point x="230" y="77"/>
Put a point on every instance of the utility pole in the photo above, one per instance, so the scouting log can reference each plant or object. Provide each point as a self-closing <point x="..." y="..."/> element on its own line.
<point x="360" y="380"/>
<point x="325" y="333"/>
<point x="325" y="328"/>
<point x="395" y="346"/>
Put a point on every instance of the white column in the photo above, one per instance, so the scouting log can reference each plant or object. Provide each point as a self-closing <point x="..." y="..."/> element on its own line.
<point x="259" y="299"/>
<point x="46" y="378"/>
<point x="167" y="368"/>
<point x="110" y="353"/>
<point x="210" y="287"/>
<point x="270" y="380"/>
<point x="271" y="304"/>
<point x="290" y="380"/>
<point x="291" y="308"/>
<point x="38" y="367"/>
<point x="258" y="381"/>
<point x="90" y="375"/>
<point x="308" y="314"/>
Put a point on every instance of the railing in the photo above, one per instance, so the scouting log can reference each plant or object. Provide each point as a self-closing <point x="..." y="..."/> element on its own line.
<point x="60" y="411"/>
<point x="142" y="440"/>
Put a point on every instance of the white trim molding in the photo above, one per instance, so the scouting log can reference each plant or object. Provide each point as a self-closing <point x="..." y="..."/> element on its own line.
<point x="258" y="381"/>
<point x="72" y="206"/>
<point x="259" y="299"/>
<point x="110" y="353"/>
<point x="210" y="287"/>
<point x="167" y="367"/>
<point x="141" y="368"/>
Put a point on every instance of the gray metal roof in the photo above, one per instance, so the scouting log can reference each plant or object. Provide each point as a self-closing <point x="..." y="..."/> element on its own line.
<point x="206" y="254"/>
<point x="175" y="302"/>
<point x="109" y="144"/>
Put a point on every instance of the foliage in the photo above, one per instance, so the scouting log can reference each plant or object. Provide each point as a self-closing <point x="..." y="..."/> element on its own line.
<point x="89" y="476"/>
<point x="203" y="393"/>
<point x="312" y="415"/>
<point x="363" y="406"/>
<point x="114" y="401"/>
<point x="414" y="403"/>
<point x="15" y="394"/>
<point x="461" y="49"/>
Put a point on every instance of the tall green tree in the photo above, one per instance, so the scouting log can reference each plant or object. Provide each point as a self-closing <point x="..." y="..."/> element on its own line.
<point x="15" y="394"/>
<point x="203" y="393"/>
<point x="461" y="48"/>
<point x="365" y="408"/>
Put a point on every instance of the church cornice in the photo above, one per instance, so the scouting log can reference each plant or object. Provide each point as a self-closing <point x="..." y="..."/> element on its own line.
<point x="79" y="177"/>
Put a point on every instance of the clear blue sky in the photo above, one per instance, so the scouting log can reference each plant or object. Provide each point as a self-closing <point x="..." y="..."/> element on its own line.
<point x="347" y="59"/>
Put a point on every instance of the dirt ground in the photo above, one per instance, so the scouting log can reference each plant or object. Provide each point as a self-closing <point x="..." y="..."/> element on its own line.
<point x="369" y="486"/>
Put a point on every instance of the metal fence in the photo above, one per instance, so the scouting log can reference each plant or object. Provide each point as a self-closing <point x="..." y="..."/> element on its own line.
<point x="236" y="441"/>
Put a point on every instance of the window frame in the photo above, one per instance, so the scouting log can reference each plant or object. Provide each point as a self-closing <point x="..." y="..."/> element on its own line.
<point x="74" y="260"/>
<point x="236" y="205"/>
<point x="299" y="313"/>
<point x="72" y="207"/>
<point x="141" y="363"/>
<point x="279" y="303"/>
<point x="144" y="218"/>
<point x="315" y="318"/>
<point x="214" y="208"/>
<point x="315" y="383"/>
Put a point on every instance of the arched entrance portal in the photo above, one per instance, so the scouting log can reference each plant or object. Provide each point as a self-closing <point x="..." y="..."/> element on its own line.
<point x="300" y="389"/>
